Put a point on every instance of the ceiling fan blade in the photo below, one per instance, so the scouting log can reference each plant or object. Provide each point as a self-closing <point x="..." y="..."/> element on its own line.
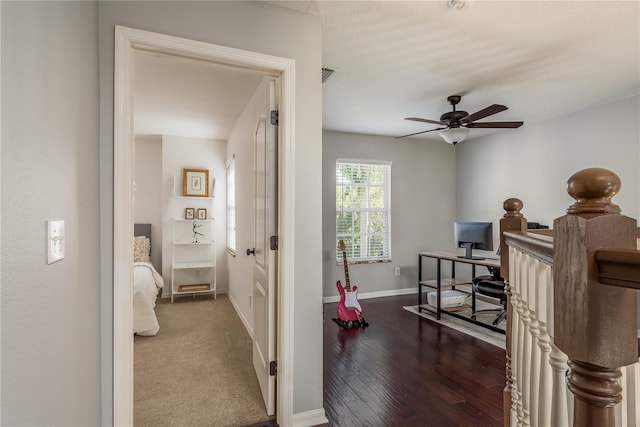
<point x="418" y="133"/>
<point x="485" y="112"/>
<point x="418" y="119"/>
<point x="508" y="125"/>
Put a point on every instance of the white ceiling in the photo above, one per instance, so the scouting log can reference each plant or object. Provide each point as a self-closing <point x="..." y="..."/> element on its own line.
<point x="187" y="97"/>
<point x="398" y="59"/>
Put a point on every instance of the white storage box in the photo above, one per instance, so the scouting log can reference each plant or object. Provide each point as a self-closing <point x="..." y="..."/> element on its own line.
<point x="448" y="299"/>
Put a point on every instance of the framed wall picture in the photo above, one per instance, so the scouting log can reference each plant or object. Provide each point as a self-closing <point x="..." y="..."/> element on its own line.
<point x="189" y="213"/>
<point x="195" y="182"/>
<point x="201" y="213"/>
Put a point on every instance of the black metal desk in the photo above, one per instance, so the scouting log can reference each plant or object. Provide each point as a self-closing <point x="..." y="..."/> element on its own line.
<point x="452" y="282"/>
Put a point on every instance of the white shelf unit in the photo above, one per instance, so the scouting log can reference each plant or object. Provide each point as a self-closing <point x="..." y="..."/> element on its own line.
<point x="193" y="257"/>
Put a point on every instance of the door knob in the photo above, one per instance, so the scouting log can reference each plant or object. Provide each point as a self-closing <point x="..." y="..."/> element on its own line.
<point x="251" y="251"/>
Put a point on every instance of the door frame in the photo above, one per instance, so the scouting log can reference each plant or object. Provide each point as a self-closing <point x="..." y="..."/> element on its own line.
<point x="127" y="40"/>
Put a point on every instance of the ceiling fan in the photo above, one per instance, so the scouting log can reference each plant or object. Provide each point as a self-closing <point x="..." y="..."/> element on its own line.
<point x="457" y="123"/>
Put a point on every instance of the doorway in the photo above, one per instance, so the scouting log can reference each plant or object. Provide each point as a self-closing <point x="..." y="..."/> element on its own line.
<point x="127" y="41"/>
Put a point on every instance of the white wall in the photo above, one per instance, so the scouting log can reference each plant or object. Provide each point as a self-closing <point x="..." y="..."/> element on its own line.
<point x="147" y="203"/>
<point x="193" y="153"/>
<point x="534" y="162"/>
<point x="257" y="27"/>
<point x="240" y="147"/>
<point x="423" y="183"/>
<point x="51" y="334"/>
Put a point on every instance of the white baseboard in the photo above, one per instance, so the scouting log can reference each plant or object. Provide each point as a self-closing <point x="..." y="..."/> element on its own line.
<point x="310" y="418"/>
<point x="376" y="294"/>
<point x="244" y="321"/>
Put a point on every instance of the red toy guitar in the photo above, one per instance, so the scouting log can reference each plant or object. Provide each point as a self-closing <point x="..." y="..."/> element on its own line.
<point x="349" y="310"/>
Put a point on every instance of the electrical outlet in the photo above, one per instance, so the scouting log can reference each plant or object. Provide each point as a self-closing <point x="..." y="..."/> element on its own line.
<point x="397" y="271"/>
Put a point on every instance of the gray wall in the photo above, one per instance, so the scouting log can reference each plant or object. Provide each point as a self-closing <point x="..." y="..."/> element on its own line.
<point x="423" y="184"/>
<point x="147" y="197"/>
<point x="256" y="27"/>
<point x="51" y="350"/>
<point x="538" y="158"/>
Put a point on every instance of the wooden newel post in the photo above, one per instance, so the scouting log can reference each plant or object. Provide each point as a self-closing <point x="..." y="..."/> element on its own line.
<point x="594" y="324"/>
<point x="513" y="220"/>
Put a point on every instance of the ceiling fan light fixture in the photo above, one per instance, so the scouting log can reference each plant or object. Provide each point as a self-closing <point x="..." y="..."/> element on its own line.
<point x="454" y="135"/>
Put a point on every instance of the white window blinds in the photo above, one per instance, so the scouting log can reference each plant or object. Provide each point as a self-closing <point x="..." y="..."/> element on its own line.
<point x="363" y="210"/>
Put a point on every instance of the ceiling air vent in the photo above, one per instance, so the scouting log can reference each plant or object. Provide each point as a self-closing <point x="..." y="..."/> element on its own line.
<point x="326" y="73"/>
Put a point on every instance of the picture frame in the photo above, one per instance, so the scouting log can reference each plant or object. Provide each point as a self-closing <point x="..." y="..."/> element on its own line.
<point x="189" y="213"/>
<point x="195" y="182"/>
<point x="201" y="213"/>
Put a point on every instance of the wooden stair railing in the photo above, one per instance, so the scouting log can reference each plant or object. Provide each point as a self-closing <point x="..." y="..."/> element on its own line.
<point x="619" y="267"/>
<point x="513" y="220"/>
<point x="595" y="272"/>
<point x="595" y="324"/>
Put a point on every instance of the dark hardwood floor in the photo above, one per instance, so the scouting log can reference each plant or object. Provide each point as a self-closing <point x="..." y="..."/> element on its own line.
<point x="404" y="370"/>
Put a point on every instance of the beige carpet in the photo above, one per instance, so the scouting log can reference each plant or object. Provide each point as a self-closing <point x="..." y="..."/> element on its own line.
<point x="487" y="335"/>
<point x="197" y="371"/>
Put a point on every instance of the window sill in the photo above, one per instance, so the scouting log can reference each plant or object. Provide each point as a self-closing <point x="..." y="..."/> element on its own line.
<point x="368" y="261"/>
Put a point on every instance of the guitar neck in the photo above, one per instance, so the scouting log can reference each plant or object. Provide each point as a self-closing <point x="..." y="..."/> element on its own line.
<point x="346" y="272"/>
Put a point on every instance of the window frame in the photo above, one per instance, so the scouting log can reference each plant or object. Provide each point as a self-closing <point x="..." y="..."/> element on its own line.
<point x="363" y="211"/>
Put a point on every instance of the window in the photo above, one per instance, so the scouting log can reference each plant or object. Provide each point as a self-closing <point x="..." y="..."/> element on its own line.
<point x="231" y="206"/>
<point x="363" y="213"/>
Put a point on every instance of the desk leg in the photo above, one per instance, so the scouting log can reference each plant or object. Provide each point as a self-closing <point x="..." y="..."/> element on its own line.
<point x="473" y="292"/>
<point x="438" y="289"/>
<point x="419" y="284"/>
<point x="453" y="273"/>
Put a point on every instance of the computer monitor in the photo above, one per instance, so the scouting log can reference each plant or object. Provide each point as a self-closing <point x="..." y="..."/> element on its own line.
<point x="473" y="235"/>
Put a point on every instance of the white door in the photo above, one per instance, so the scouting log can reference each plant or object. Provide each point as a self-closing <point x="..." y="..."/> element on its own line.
<point x="264" y="267"/>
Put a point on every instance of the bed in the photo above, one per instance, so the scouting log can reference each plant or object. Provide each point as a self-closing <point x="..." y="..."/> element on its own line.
<point x="147" y="282"/>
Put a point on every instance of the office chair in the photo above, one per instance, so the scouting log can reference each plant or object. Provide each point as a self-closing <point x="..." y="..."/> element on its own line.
<point x="491" y="285"/>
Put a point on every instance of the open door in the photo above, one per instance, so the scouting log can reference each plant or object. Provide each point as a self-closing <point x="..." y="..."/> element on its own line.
<point x="265" y="252"/>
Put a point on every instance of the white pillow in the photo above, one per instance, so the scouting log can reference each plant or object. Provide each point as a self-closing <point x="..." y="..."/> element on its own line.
<point x="141" y="249"/>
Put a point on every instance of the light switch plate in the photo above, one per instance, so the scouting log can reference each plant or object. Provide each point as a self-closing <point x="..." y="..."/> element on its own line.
<point x="55" y="241"/>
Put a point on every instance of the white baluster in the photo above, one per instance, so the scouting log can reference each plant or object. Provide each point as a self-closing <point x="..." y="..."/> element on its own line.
<point x="570" y="400"/>
<point x="545" y="390"/>
<point x="515" y="356"/>
<point x="515" y="362"/>
<point x="521" y="339"/>
<point x="559" y="406"/>
<point x="534" y="286"/>
<point x="630" y="406"/>
<point x="527" y="344"/>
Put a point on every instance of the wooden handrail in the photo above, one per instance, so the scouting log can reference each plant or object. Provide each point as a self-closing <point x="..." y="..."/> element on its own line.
<point x="542" y="231"/>
<point x="536" y="245"/>
<point x="619" y="267"/>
